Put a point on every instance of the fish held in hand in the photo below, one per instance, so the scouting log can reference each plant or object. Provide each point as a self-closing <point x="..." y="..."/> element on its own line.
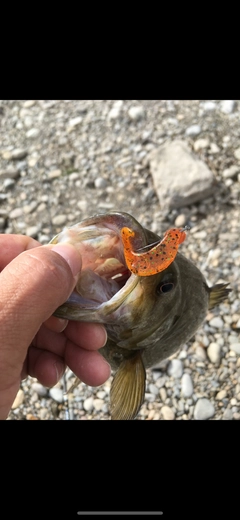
<point x="148" y="314"/>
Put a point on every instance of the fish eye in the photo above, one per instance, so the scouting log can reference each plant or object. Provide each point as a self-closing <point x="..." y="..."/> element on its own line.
<point x="165" y="287"/>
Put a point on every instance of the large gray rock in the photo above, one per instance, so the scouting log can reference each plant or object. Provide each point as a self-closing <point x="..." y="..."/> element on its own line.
<point x="179" y="177"/>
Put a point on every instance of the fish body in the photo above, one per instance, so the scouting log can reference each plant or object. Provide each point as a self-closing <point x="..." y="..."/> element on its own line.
<point x="147" y="318"/>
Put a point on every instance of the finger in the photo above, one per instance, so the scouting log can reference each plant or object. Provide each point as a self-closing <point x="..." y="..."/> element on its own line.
<point x="47" y="367"/>
<point x="13" y="245"/>
<point x="32" y="286"/>
<point x="56" y="324"/>
<point x="89" y="366"/>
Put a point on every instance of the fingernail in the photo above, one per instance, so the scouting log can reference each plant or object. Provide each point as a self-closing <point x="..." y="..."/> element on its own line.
<point x="71" y="255"/>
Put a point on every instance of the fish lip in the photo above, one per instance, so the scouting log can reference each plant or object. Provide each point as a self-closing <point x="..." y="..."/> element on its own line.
<point x="112" y="224"/>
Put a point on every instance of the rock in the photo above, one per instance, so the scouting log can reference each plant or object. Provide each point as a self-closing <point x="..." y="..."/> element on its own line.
<point x="75" y="121"/>
<point x="180" y="221"/>
<point x="187" y="385"/>
<point x="9" y="173"/>
<point x="54" y="174"/>
<point x="209" y="106"/>
<point x="214" y="148"/>
<point x="88" y="404"/>
<point x="179" y="177"/>
<point x="136" y="112"/>
<point x="163" y="394"/>
<point x="19" y="153"/>
<point x="59" y="220"/>
<point x="114" y="113"/>
<point x="200" y="144"/>
<point x="230" y="172"/>
<point x="100" y="183"/>
<point x="153" y="389"/>
<point x="193" y="130"/>
<point x="40" y="389"/>
<point x="8" y="183"/>
<point x="200" y="353"/>
<point x="98" y="404"/>
<point x="221" y="395"/>
<point x="216" y="322"/>
<point x="227" y="106"/>
<point x="203" y="410"/>
<point x="237" y="154"/>
<point x="214" y="352"/>
<point x="33" y="133"/>
<point x="236" y="348"/>
<point x="175" y="368"/>
<point x="56" y="394"/>
<point x="18" y="399"/>
<point x="227" y="415"/>
<point x="167" y="413"/>
<point x="16" y="213"/>
<point x="32" y="231"/>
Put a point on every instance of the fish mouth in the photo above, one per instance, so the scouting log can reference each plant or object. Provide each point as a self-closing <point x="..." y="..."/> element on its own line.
<point x="105" y="282"/>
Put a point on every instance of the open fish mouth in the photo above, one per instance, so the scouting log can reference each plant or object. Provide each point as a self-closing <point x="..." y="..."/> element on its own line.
<point x="105" y="281"/>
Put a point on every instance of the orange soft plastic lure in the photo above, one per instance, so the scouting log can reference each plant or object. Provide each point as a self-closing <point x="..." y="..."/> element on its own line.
<point x="156" y="259"/>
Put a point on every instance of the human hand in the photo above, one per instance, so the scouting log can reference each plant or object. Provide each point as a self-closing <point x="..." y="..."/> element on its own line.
<point x="34" y="281"/>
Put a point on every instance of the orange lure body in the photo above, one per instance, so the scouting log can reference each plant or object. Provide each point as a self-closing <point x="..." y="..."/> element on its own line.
<point x="156" y="259"/>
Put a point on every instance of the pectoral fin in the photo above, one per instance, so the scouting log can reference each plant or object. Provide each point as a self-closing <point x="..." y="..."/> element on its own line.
<point x="128" y="389"/>
<point x="218" y="293"/>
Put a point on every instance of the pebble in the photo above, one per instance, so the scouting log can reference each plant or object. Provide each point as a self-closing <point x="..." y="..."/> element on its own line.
<point x="200" y="353"/>
<point x="32" y="231"/>
<point x="193" y="130"/>
<point x="216" y="322"/>
<point x="153" y="389"/>
<point x="227" y="106"/>
<point x="187" y="385"/>
<point x="40" y="389"/>
<point x="59" y="220"/>
<point x="167" y="413"/>
<point x="9" y="173"/>
<point x="221" y="395"/>
<point x="18" y="399"/>
<point x="214" y="352"/>
<point x="230" y="172"/>
<point x="100" y="183"/>
<point x="237" y="154"/>
<point x="203" y="410"/>
<point x="227" y="415"/>
<point x="175" y="368"/>
<point x="98" y="404"/>
<point x="54" y="174"/>
<point x="180" y="221"/>
<point x="200" y="144"/>
<point x="15" y="213"/>
<point x="114" y="113"/>
<point x="136" y="112"/>
<point x="209" y="106"/>
<point x="75" y="121"/>
<point x="19" y="153"/>
<point x="163" y="394"/>
<point x="56" y="394"/>
<point x="29" y="103"/>
<point x="8" y="183"/>
<point x="236" y="348"/>
<point x="88" y="404"/>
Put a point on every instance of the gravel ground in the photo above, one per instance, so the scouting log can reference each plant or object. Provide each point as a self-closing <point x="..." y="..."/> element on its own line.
<point x="62" y="161"/>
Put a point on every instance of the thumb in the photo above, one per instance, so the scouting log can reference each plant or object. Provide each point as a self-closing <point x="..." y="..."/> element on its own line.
<point x="32" y="286"/>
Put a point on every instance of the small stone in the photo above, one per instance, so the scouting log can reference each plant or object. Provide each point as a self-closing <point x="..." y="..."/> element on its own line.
<point x="19" y="153"/>
<point x="88" y="404"/>
<point x="214" y="352"/>
<point x="56" y="394"/>
<point x="28" y="121"/>
<point x="203" y="410"/>
<point x="114" y="113"/>
<point x="9" y="173"/>
<point x="209" y="106"/>
<point x="163" y="394"/>
<point x="221" y="395"/>
<point x="200" y="353"/>
<point x="59" y="220"/>
<point x="136" y="112"/>
<point x="180" y="221"/>
<point x="75" y="121"/>
<point x="227" y="415"/>
<point x="16" y="213"/>
<point x="54" y="174"/>
<point x="216" y="322"/>
<point x="18" y="399"/>
<point x="187" y="385"/>
<point x="32" y="231"/>
<point x="175" y="368"/>
<point x="29" y="103"/>
<point x="6" y="155"/>
<point x="8" y="183"/>
<point x="167" y="413"/>
<point x="200" y="144"/>
<point x="236" y="348"/>
<point x="100" y="183"/>
<point x="214" y="148"/>
<point x="230" y="172"/>
<point x="40" y="389"/>
<point x="237" y="154"/>
<point x="153" y="389"/>
<point x="98" y="404"/>
<point x="33" y="133"/>
<point x="227" y="106"/>
<point x="193" y="130"/>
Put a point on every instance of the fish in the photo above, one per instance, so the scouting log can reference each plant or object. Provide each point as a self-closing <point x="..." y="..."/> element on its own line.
<point x="150" y="305"/>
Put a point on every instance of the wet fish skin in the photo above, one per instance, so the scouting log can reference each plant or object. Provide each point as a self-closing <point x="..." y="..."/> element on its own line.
<point x="149" y="318"/>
